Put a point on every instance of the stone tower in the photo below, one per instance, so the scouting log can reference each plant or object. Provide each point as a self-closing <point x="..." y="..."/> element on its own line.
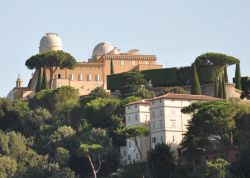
<point x="19" y="82"/>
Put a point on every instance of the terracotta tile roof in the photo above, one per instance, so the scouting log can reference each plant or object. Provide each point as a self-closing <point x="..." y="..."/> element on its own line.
<point x="146" y="102"/>
<point x="188" y="97"/>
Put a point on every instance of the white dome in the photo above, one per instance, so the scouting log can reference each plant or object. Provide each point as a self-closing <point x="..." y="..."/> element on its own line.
<point x="50" y="42"/>
<point x="102" y="49"/>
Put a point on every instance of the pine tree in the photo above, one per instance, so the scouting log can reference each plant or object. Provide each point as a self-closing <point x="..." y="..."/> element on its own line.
<point x="225" y="75"/>
<point x="111" y="67"/>
<point x="238" y="77"/>
<point x="195" y="87"/>
<point x="39" y="80"/>
<point x="44" y="85"/>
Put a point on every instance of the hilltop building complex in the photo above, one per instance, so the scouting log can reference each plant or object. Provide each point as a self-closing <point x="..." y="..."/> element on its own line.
<point x="86" y="76"/>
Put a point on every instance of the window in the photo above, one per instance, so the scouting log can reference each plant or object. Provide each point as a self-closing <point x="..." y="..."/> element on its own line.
<point x="173" y="138"/>
<point x="153" y="114"/>
<point x="136" y="155"/>
<point x="160" y="112"/>
<point x="89" y="77"/>
<point x="128" y="107"/>
<point x="97" y="77"/>
<point x="153" y="140"/>
<point x="153" y="125"/>
<point x="161" y="123"/>
<point x="71" y="77"/>
<point x="136" y="106"/>
<point x="162" y="139"/>
<point x="129" y="157"/>
<point x="136" y="117"/>
<point x="172" y="124"/>
<point x="128" y="118"/>
<point x="122" y="62"/>
<point x="80" y="77"/>
<point x="129" y="144"/>
<point x="59" y="76"/>
<point x="160" y="101"/>
<point x="133" y="63"/>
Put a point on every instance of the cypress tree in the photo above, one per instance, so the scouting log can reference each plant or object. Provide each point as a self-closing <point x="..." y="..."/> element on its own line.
<point x="216" y="87"/>
<point x="238" y="77"/>
<point x="111" y="67"/>
<point x="195" y="87"/>
<point x="225" y="75"/>
<point x="39" y="80"/>
<point x="220" y="88"/>
<point x="44" y="80"/>
<point x="224" y="87"/>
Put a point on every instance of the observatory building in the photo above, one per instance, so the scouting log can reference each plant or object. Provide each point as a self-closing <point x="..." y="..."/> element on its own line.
<point x="88" y="75"/>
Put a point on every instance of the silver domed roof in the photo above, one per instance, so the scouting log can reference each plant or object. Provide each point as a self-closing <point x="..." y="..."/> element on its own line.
<point x="102" y="49"/>
<point x="50" y="41"/>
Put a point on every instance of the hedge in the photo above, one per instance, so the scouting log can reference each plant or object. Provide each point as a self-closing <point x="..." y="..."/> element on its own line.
<point x="166" y="77"/>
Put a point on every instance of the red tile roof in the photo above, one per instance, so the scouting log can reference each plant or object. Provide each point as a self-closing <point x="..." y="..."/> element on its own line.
<point x="188" y="97"/>
<point x="146" y="102"/>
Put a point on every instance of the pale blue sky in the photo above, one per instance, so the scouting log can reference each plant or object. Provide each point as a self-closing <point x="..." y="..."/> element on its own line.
<point x="177" y="31"/>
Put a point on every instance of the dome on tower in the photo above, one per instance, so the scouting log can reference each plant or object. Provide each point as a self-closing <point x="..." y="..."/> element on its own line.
<point x="50" y="42"/>
<point x="102" y="49"/>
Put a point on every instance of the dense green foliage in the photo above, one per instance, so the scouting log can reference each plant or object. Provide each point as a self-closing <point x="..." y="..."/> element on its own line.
<point x="132" y="83"/>
<point x="219" y="123"/>
<point x="214" y="119"/>
<point x="245" y="86"/>
<point x="167" y="77"/>
<point x="161" y="161"/>
<point x="240" y="168"/>
<point x="136" y="170"/>
<point x="43" y="137"/>
<point x="217" y="168"/>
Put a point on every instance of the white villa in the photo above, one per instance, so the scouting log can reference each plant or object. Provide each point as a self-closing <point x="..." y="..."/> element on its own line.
<point x="163" y="116"/>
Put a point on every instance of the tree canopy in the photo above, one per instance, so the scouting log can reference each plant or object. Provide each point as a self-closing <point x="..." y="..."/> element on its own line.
<point x="211" y="120"/>
<point x="51" y="61"/>
<point x="161" y="161"/>
<point x="218" y="62"/>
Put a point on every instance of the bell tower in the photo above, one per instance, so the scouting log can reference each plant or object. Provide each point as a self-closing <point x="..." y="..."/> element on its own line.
<point x="19" y="82"/>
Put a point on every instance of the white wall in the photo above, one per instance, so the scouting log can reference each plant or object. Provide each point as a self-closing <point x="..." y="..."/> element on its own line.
<point x="168" y="123"/>
<point x="137" y="114"/>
